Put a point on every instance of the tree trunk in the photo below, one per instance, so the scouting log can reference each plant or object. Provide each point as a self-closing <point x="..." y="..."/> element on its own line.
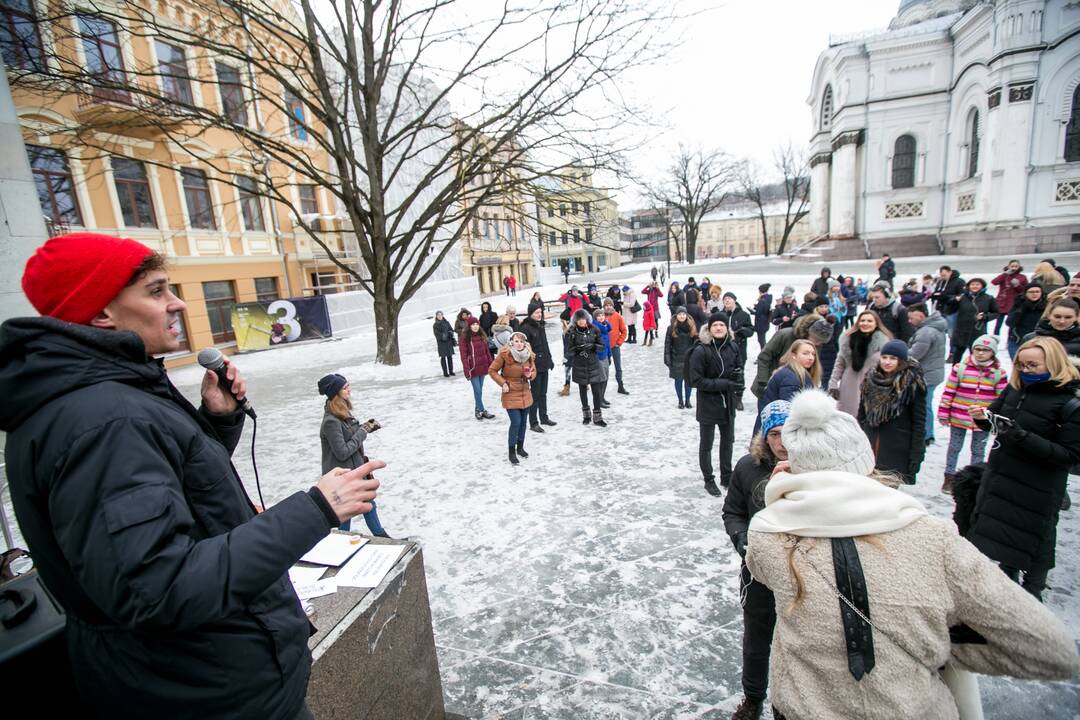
<point x="691" y="249"/>
<point x="386" y="332"/>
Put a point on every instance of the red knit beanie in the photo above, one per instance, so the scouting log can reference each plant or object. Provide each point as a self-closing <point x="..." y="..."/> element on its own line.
<point x="73" y="277"/>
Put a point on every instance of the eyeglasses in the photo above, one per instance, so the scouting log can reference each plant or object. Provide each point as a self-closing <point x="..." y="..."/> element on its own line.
<point x="1030" y="366"/>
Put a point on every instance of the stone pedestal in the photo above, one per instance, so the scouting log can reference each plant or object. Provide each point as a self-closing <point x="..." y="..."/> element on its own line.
<point x="374" y="654"/>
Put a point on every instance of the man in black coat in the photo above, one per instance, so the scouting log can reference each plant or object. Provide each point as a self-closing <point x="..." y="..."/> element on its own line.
<point x="715" y="370"/>
<point x="887" y="269"/>
<point x="786" y="311"/>
<point x="977" y="308"/>
<point x="741" y="329"/>
<point x="948" y="287"/>
<point x="761" y="312"/>
<point x="176" y="589"/>
<point x="821" y="284"/>
<point x="745" y="498"/>
<point x="535" y="330"/>
<point x="890" y="311"/>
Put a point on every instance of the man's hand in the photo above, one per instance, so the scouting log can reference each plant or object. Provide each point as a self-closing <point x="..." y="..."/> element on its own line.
<point x="216" y="400"/>
<point x="348" y="492"/>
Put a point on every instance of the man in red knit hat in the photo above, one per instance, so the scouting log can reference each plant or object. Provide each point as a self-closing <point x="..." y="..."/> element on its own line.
<point x="176" y="589"/>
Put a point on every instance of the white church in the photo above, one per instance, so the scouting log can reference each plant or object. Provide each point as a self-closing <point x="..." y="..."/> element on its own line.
<point x="955" y="130"/>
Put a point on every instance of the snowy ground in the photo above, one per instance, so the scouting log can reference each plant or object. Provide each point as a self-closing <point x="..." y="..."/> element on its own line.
<point x="594" y="580"/>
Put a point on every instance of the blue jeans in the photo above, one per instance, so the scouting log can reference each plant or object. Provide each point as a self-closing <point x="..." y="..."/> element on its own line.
<point x="478" y="391"/>
<point x="680" y="385"/>
<point x="371" y="518"/>
<point x="616" y="356"/>
<point x="1013" y="347"/>
<point x="956" y="444"/>
<point x="950" y="321"/>
<point x="518" y="421"/>
<point x="930" y="417"/>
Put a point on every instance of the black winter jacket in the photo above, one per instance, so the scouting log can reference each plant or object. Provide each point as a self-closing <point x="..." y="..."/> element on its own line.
<point x="1024" y="317"/>
<point x="582" y="345"/>
<point x="740" y="326"/>
<point x="782" y="309"/>
<point x="675" y="349"/>
<point x="900" y="443"/>
<point x="894" y="317"/>
<point x="715" y="371"/>
<point x="1016" y="513"/>
<point x="444" y="337"/>
<point x="745" y="497"/>
<point x="176" y="591"/>
<point x="946" y="294"/>
<point x="967" y="327"/>
<point x="762" y="312"/>
<point x="536" y="333"/>
<point x="1070" y="338"/>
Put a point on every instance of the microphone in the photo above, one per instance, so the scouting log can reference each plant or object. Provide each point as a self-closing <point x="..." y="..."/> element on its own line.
<point x="212" y="359"/>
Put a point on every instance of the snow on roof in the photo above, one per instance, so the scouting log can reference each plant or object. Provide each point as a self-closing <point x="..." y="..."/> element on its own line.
<point x="924" y="28"/>
<point x="741" y="212"/>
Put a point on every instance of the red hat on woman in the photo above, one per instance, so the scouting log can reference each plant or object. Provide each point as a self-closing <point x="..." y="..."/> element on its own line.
<point x="73" y="277"/>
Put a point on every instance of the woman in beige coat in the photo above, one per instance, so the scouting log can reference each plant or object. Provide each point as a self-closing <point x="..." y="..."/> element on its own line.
<point x="512" y="369"/>
<point x="858" y="352"/>
<point x="882" y="610"/>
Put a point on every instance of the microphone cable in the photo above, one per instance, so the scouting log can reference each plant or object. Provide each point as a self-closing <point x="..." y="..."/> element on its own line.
<point x="258" y="487"/>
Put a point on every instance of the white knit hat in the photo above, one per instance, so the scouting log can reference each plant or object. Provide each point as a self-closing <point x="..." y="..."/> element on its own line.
<point x="818" y="436"/>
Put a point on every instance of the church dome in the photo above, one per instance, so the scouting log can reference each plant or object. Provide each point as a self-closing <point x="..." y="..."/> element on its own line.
<point x="912" y="12"/>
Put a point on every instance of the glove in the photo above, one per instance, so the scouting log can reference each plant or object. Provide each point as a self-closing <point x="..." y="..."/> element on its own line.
<point x="740" y="544"/>
<point x="834" y="393"/>
<point x="1011" y="432"/>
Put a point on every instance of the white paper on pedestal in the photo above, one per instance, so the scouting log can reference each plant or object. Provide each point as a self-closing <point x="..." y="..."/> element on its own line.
<point x="334" y="549"/>
<point x="368" y="567"/>
<point x="305" y="575"/>
<point x="306" y="591"/>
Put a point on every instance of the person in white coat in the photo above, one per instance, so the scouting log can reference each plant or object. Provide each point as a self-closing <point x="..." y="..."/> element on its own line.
<point x="630" y="310"/>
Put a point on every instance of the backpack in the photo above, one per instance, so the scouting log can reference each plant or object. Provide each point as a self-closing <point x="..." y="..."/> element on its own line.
<point x="686" y="361"/>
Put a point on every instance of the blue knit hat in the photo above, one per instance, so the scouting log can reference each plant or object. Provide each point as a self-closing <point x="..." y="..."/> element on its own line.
<point x="896" y="348"/>
<point x="775" y="414"/>
<point x="330" y="385"/>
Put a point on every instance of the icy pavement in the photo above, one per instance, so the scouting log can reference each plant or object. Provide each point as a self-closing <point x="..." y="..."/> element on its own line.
<point x="594" y="580"/>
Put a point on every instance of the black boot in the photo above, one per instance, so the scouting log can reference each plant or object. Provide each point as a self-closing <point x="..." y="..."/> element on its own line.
<point x="622" y="390"/>
<point x="598" y="419"/>
<point x="548" y="421"/>
<point x="586" y="416"/>
<point x="681" y="406"/>
<point x="749" y="710"/>
<point x="479" y="416"/>
<point x="486" y="415"/>
<point x="535" y="427"/>
<point x="513" y="457"/>
<point x="521" y="450"/>
<point x="710" y="487"/>
<point x="688" y="405"/>
<point x="605" y="404"/>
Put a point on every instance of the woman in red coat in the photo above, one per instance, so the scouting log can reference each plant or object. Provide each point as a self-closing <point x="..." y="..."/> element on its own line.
<point x="654" y="292"/>
<point x="475" y="361"/>
<point x="1011" y="285"/>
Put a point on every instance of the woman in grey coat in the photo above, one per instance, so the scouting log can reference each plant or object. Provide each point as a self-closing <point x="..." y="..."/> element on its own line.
<point x="859" y="348"/>
<point x="343" y="437"/>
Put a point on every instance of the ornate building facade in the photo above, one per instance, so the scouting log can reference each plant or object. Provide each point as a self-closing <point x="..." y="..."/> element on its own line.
<point x="578" y="223"/>
<point x="955" y="130"/>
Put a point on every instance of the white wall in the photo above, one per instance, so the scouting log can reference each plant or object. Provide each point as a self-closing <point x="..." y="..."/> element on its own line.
<point x="354" y="311"/>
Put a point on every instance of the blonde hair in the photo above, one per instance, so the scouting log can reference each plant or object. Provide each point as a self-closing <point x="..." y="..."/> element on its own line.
<point x="788" y="360"/>
<point x="340" y="406"/>
<point x="1061" y="369"/>
<point x="1046" y="271"/>
<point x="715" y="291"/>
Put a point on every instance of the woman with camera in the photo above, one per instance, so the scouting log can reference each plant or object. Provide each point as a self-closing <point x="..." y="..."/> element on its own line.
<point x="342" y="437"/>
<point x="1037" y="424"/>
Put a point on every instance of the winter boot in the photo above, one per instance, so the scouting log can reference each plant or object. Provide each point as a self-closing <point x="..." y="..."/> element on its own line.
<point x="749" y="710"/>
<point x="486" y="415"/>
<point x="521" y="450"/>
<point x="622" y="390"/>
<point x="565" y="390"/>
<point x="535" y="427"/>
<point x="946" y="487"/>
<point x="682" y="405"/>
<point x="548" y="421"/>
<point x="586" y="416"/>
<point x="710" y="487"/>
<point x="604" y="404"/>
<point x="513" y="457"/>
<point x="479" y="416"/>
<point x="598" y="419"/>
<point x="688" y="405"/>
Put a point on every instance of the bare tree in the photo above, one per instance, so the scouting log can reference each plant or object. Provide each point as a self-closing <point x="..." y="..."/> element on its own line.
<point x="696" y="183"/>
<point x="413" y="116"/>
<point x="790" y="192"/>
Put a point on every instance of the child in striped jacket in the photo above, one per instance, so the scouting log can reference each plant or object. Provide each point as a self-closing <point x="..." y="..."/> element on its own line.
<point x="977" y="379"/>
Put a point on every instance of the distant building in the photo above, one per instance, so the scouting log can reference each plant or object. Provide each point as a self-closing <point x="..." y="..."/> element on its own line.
<point x="578" y="224"/>
<point x="646" y="234"/>
<point x="734" y="231"/>
<point x="956" y="129"/>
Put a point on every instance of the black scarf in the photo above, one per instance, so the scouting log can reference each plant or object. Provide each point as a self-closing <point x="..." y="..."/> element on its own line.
<point x="884" y="396"/>
<point x="859" y="342"/>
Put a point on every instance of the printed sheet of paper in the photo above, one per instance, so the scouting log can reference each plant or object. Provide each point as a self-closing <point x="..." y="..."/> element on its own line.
<point x="334" y="549"/>
<point x="305" y="575"/>
<point x="306" y="591"/>
<point x="368" y="567"/>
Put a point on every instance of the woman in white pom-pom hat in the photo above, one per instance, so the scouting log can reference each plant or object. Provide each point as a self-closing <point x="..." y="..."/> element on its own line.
<point x="878" y="604"/>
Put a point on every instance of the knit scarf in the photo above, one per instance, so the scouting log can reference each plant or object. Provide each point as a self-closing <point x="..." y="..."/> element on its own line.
<point x="859" y="342"/>
<point x="520" y="355"/>
<point x="828" y="504"/>
<point x="885" y="396"/>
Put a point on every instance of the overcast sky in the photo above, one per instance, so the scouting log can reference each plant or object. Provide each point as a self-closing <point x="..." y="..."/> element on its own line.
<point x="742" y="75"/>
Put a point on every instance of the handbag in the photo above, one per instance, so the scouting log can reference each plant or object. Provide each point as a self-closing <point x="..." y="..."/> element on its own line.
<point x="637" y="307"/>
<point x="963" y="685"/>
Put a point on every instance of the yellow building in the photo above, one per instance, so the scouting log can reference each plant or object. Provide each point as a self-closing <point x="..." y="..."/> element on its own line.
<point x="198" y="197"/>
<point x="578" y="224"/>
<point x="732" y="232"/>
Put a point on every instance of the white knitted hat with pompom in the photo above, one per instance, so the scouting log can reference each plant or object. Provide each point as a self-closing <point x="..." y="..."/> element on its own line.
<point x="819" y="436"/>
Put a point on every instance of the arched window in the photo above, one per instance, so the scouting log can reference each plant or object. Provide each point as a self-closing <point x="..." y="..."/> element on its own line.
<point x="903" y="162"/>
<point x="827" y="108"/>
<point x="973" y="143"/>
<point x="1072" y="130"/>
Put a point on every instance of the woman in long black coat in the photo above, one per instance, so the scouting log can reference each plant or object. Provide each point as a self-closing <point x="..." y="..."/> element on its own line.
<point x="976" y="309"/>
<point x="535" y="330"/>
<point x="715" y="369"/>
<point x="445" y="339"/>
<point x="1016" y="512"/>
<point x="487" y="317"/>
<point x="583" y="342"/>
<point x="892" y="411"/>
<point x="678" y="340"/>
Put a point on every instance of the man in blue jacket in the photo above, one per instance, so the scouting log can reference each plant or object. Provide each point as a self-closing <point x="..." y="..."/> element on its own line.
<point x="176" y="590"/>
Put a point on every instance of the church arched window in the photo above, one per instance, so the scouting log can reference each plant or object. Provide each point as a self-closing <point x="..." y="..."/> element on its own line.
<point x="903" y="162"/>
<point x="973" y="143"/>
<point x="1072" y="130"/>
<point x="827" y="108"/>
